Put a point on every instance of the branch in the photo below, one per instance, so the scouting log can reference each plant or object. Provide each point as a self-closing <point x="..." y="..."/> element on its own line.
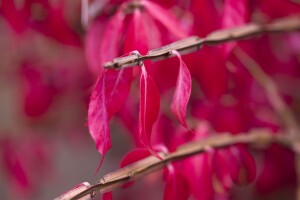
<point x="258" y="138"/>
<point x="194" y="43"/>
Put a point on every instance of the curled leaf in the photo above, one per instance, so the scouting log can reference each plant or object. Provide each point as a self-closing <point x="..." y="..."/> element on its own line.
<point x="182" y="92"/>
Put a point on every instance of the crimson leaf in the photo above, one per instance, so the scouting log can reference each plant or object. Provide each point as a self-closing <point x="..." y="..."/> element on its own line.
<point x="149" y="107"/>
<point x="177" y="187"/>
<point x="109" y="94"/>
<point x="182" y="92"/>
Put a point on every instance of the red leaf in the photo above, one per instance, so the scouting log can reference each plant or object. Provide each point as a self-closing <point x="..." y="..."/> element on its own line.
<point x="134" y="156"/>
<point x="149" y="107"/>
<point x="177" y="187"/>
<point x="107" y="196"/>
<point x="243" y="167"/>
<point x="248" y="163"/>
<point x="98" y="117"/>
<point x="182" y="92"/>
<point x="111" y="37"/>
<point x="165" y="17"/>
<point x="92" y="44"/>
<point x="109" y="94"/>
<point x="38" y="94"/>
<point x="235" y="13"/>
<point x="220" y="158"/>
<point x="199" y="168"/>
<point x="136" y="36"/>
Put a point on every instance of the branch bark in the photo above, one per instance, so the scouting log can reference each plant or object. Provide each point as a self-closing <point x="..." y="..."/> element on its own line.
<point x="194" y="43"/>
<point x="257" y="138"/>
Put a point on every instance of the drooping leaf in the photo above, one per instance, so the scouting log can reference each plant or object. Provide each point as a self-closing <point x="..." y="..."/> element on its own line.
<point x="98" y="120"/>
<point x="92" y="44"/>
<point x="149" y="107"/>
<point x="165" y="17"/>
<point x="182" y="92"/>
<point x="136" y="36"/>
<point x="109" y="94"/>
<point x="110" y="40"/>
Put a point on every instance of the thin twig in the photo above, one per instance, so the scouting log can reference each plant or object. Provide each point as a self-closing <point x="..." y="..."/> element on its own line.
<point x="194" y="43"/>
<point x="145" y="166"/>
<point x="266" y="82"/>
<point x="282" y="110"/>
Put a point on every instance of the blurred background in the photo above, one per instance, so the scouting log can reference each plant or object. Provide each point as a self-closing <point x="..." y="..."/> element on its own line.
<point x="45" y="85"/>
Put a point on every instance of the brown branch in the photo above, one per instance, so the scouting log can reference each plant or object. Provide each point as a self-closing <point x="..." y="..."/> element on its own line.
<point x="194" y="43"/>
<point x="260" y="137"/>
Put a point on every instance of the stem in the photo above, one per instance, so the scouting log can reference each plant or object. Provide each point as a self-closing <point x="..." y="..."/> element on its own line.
<point x="257" y="138"/>
<point x="194" y="43"/>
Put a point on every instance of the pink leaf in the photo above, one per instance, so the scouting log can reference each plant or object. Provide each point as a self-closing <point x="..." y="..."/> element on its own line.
<point x="134" y="156"/>
<point x="164" y="17"/>
<point x="149" y="107"/>
<point x="248" y="163"/>
<point x="243" y="168"/>
<point x="235" y="13"/>
<point x="93" y="44"/>
<point x="222" y="173"/>
<point x="182" y="92"/>
<point x="109" y="94"/>
<point x="107" y="196"/>
<point x="136" y="36"/>
<point x="177" y="187"/>
<point x="98" y="117"/>
<point x="111" y="37"/>
<point x="199" y="168"/>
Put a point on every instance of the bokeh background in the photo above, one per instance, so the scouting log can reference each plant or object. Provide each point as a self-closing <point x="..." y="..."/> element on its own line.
<point x="46" y="82"/>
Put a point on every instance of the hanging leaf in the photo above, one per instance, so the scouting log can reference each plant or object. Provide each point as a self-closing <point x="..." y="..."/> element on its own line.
<point x="182" y="92"/>
<point x="149" y="107"/>
<point x="110" y="40"/>
<point x="108" y="96"/>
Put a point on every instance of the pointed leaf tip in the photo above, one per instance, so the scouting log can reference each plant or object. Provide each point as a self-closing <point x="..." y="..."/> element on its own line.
<point x="108" y="96"/>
